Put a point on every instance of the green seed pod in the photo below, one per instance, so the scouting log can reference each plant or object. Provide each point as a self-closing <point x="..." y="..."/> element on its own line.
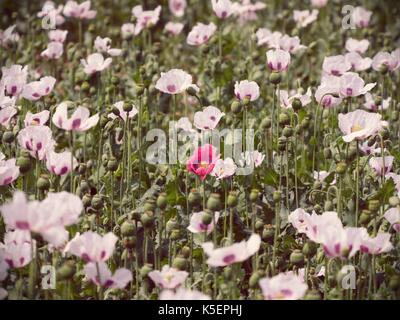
<point x="341" y="168"/>
<point x="128" y="229"/>
<point x="236" y="107"/>
<point x="8" y="137"/>
<point x="296" y="104"/>
<point x="175" y="234"/>
<point x="284" y="119"/>
<point x="84" y="186"/>
<point x="145" y="270"/>
<point x="374" y="205"/>
<point x="266" y="123"/>
<point x="232" y="200"/>
<point x="275" y="78"/>
<point x="24" y="164"/>
<point x="309" y="249"/>
<point x="254" y="195"/>
<point x="287" y="131"/>
<point x="268" y="233"/>
<point x="207" y="217"/>
<point x="180" y="263"/>
<point x="214" y="202"/>
<point x="149" y="205"/>
<point x="112" y="164"/>
<point x="254" y="278"/>
<point x="86" y="200"/>
<point x="97" y="202"/>
<point x="297" y="258"/>
<point x="85" y="86"/>
<point x="194" y="198"/>
<point x="304" y="123"/>
<point x="171" y="225"/>
<point x="365" y="217"/>
<point x="66" y="271"/>
<point x="129" y="242"/>
<point x="43" y="183"/>
<point x="147" y="219"/>
<point x="127" y="107"/>
<point x="185" y="252"/>
<point x="277" y="196"/>
<point x="162" y="201"/>
<point x="259" y="225"/>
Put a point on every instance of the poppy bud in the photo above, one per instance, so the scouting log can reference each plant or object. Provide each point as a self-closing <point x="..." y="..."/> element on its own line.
<point x="171" y="224"/>
<point x="374" y="205"/>
<point x="149" y="205"/>
<point x="287" y="131"/>
<point x="179" y="263"/>
<point x="305" y="123"/>
<point x="144" y="271"/>
<point x="297" y="258"/>
<point x="115" y="111"/>
<point x="194" y="198"/>
<point x="284" y="119"/>
<point x="66" y="271"/>
<point x="8" y="137"/>
<point x="147" y="219"/>
<point x="246" y="101"/>
<point x="232" y="199"/>
<point x="254" y="278"/>
<point x="129" y="242"/>
<point x="24" y="164"/>
<point x="175" y="234"/>
<point x="162" y="201"/>
<point x="43" y="183"/>
<point x="268" y="233"/>
<point x="341" y="168"/>
<point x="266" y="123"/>
<point x="309" y="249"/>
<point x="365" y="217"/>
<point x="296" y="104"/>
<point x="103" y="121"/>
<point x="85" y="86"/>
<point x="259" y="224"/>
<point x="191" y="91"/>
<point x="139" y="90"/>
<point x="236" y="107"/>
<point x="207" y="218"/>
<point x="128" y="229"/>
<point x="127" y="107"/>
<point x="394" y="201"/>
<point x="112" y="164"/>
<point x="275" y="78"/>
<point x="254" y="194"/>
<point x="86" y="200"/>
<point x="214" y="202"/>
<point x="97" y="202"/>
<point x="185" y="252"/>
<point x="277" y="195"/>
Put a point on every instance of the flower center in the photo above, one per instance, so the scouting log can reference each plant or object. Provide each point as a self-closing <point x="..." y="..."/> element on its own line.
<point x="356" y="127"/>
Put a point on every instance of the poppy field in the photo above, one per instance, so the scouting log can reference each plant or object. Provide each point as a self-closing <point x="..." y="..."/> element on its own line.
<point x="199" y="150"/>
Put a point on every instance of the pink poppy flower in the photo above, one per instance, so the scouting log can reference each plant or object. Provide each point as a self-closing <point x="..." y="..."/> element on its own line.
<point x="290" y="44"/>
<point x="207" y="119"/>
<point x="200" y="34"/>
<point x="8" y="36"/>
<point x="79" y="121"/>
<point x="50" y="9"/>
<point x="37" y="89"/>
<point x="103" y="276"/>
<point x="174" y="28"/>
<point x="238" y="252"/>
<point x="322" y="175"/>
<point x="177" y="7"/>
<point x="58" y="35"/>
<point x="17" y="248"/>
<point x="222" y="8"/>
<point x="286" y="100"/>
<point x="269" y="39"/>
<point x="380" y="244"/>
<point x="53" y="51"/>
<point x="299" y="219"/>
<point x="335" y="65"/>
<point x="381" y="166"/>
<point x="9" y="172"/>
<point x="185" y="125"/>
<point x="183" y="294"/>
<point x="283" y="287"/>
<point x="37" y="140"/>
<point x="393" y="216"/>
<point x="367" y="150"/>
<point x="36" y="119"/>
<point x="168" y="278"/>
<point x="196" y="223"/>
<point x="246" y="89"/>
<point x="361" y="17"/>
<point x="95" y="63"/>
<point x="319" y="3"/>
<point x="278" y="60"/>
<point x="315" y="225"/>
<point x="14" y="79"/>
<point x="357" y="62"/>
<point x="251" y="159"/>
<point x="352" y="85"/>
<point x="174" y="81"/>
<point x="145" y="19"/>
<point x="79" y="11"/>
<point x="396" y="180"/>
<point x="92" y="247"/>
<point x="371" y="105"/>
<point x="127" y="30"/>
<point x="328" y="96"/>
<point x="5" y="101"/>
<point x="123" y="114"/>
<point x="103" y="45"/>
<point x="224" y="168"/>
<point x="383" y="60"/>
<point x="6" y="114"/>
<point x="360" y="124"/>
<point x="202" y="162"/>
<point x="341" y="242"/>
<point x="304" y="17"/>
<point x="359" y="46"/>
<point x="60" y="163"/>
<point x="247" y="11"/>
